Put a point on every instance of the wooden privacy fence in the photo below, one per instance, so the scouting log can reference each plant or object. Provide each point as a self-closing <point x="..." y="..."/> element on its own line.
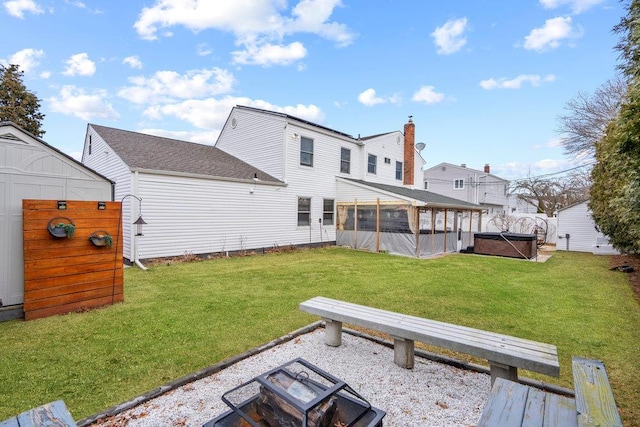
<point x="63" y="274"/>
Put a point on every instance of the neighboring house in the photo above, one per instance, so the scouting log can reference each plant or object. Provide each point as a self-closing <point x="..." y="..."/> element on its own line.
<point x="32" y="169"/>
<point x="269" y="181"/>
<point x="480" y="187"/>
<point x="577" y="231"/>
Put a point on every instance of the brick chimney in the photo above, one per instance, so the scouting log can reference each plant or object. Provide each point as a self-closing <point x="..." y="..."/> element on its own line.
<point x="409" y="149"/>
<point x="487" y="168"/>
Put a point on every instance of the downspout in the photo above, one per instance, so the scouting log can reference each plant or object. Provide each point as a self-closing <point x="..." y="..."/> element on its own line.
<point x="134" y="241"/>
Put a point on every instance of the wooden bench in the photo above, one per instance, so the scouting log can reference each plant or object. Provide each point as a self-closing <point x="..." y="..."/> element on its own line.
<point x="54" y="414"/>
<point x="505" y="353"/>
<point x="514" y="404"/>
<point x="594" y="398"/>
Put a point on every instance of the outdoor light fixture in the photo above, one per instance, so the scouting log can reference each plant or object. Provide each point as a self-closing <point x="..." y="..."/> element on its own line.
<point x="139" y="223"/>
<point x="62" y="205"/>
<point x="102" y="206"/>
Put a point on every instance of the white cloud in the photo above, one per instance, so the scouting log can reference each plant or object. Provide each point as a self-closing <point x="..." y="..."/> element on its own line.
<point x="516" y="83"/>
<point x="27" y="59"/>
<point x="577" y="6"/>
<point x="211" y="113"/>
<point x="80" y="65"/>
<point x="428" y="95"/>
<point x="166" y="86"/>
<point x="450" y="38"/>
<point x="311" y="16"/>
<point x="258" y="25"/>
<point x="550" y="36"/>
<point x="133" y="61"/>
<point x="554" y="143"/>
<point x="203" y="49"/>
<point x="269" y="54"/>
<point x="74" y="101"/>
<point x="369" y="98"/>
<point x="17" y="8"/>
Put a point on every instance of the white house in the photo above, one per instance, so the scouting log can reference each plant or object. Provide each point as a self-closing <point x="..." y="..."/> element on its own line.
<point x="270" y="180"/>
<point x="32" y="169"/>
<point x="480" y="187"/>
<point x="577" y="231"/>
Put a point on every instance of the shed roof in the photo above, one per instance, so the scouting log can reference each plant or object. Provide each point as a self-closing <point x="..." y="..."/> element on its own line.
<point x="149" y="152"/>
<point x="13" y="137"/>
<point x="427" y="197"/>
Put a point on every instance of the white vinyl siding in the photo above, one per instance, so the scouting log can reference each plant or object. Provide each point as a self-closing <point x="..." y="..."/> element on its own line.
<point x="256" y="139"/>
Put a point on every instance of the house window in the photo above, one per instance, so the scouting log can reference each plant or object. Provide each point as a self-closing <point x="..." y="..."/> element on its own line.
<point x="426" y="185"/>
<point x="90" y="144"/>
<point x="306" y="151"/>
<point x="327" y="212"/>
<point x="304" y="211"/>
<point x="458" y="184"/>
<point x="387" y="160"/>
<point x="345" y="160"/>
<point x="399" y="171"/>
<point x="372" y="163"/>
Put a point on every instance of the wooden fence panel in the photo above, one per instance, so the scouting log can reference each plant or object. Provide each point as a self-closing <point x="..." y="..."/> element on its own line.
<point x="62" y="274"/>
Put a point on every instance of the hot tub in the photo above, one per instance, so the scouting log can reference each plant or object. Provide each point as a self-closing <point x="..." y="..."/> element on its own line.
<point x="506" y="244"/>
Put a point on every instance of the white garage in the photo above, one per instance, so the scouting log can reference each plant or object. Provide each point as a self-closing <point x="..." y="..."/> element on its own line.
<point x="32" y="169"/>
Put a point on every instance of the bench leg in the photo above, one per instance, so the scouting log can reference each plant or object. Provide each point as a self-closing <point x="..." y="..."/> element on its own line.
<point x="403" y="352"/>
<point x="503" y="371"/>
<point x="332" y="332"/>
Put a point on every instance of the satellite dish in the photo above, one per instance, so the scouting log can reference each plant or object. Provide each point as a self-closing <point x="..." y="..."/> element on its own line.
<point x="420" y="146"/>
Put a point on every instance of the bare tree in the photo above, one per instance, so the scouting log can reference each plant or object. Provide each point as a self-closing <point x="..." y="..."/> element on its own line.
<point x="550" y="194"/>
<point x="588" y="116"/>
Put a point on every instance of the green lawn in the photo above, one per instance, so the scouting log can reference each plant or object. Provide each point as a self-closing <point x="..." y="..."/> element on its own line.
<point x="179" y="318"/>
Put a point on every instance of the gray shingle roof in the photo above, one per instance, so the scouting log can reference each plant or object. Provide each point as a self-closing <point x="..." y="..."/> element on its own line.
<point x="142" y="151"/>
<point x="425" y="196"/>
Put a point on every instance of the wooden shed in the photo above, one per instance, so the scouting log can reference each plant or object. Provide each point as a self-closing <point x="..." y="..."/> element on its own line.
<point x="32" y="169"/>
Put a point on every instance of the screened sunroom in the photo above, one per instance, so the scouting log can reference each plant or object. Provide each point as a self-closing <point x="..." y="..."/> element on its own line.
<point x="404" y="221"/>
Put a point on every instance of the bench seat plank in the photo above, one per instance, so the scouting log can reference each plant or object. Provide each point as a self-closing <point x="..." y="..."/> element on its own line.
<point x="513" y="404"/>
<point x="506" y="405"/>
<point x="534" y="408"/>
<point x="54" y="414"/>
<point x="503" y="349"/>
<point x="560" y="411"/>
<point x="594" y="398"/>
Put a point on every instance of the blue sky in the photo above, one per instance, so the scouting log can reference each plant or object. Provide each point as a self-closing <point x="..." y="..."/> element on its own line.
<point x="484" y="80"/>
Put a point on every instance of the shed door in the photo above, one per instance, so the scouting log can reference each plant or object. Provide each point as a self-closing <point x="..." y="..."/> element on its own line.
<point x="14" y="188"/>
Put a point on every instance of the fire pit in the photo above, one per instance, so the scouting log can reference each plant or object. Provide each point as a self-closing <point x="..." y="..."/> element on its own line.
<point x="296" y="394"/>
